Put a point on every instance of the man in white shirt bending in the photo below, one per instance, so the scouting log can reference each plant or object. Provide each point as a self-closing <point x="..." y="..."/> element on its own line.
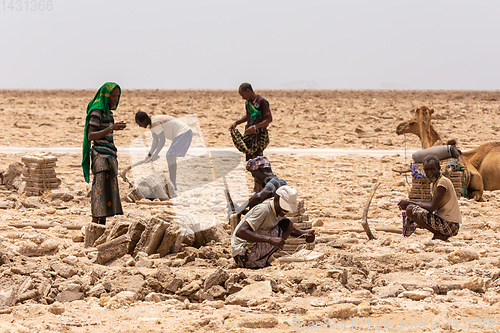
<point x="166" y="127"/>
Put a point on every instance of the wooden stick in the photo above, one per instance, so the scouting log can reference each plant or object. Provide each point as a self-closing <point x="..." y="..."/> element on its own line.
<point x="392" y="230"/>
<point x="154" y="203"/>
<point x="401" y="171"/>
<point x="364" y="222"/>
<point x="384" y="229"/>
<point x="46" y="226"/>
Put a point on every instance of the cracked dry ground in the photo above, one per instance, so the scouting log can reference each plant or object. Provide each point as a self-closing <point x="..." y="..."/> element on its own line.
<point x="48" y="282"/>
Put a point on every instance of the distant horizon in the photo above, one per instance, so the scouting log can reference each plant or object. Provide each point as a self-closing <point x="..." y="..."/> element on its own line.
<point x="236" y="90"/>
<point x="447" y="45"/>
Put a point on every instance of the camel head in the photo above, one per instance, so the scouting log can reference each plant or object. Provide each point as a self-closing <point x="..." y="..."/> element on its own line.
<point x="421" y="126"/>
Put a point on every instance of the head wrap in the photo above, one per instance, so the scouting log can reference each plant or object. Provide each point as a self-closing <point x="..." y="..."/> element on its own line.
<point x="100" y="102"/>
<point x="288" y="198"/>
<point x="259" y="162"/>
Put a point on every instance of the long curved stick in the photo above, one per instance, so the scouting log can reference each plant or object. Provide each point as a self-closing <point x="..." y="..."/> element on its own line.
<point x="364" y="221"/>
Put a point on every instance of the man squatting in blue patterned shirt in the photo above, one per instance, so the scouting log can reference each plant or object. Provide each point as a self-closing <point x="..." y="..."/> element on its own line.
<point x="267" y="182"/>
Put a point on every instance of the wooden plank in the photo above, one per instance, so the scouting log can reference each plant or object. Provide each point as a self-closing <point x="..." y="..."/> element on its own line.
<point x="154" y="203"/>
<point x="45" y="226"/>
<point x="38" y="159"/>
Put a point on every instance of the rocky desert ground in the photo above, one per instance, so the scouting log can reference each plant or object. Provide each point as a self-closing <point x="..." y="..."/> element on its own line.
<point x="333" y="146"/>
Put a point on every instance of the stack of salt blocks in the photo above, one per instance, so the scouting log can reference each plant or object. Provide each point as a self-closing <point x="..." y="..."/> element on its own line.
<point x="39" y="175"/>
<point x="420" y="188"/>
<point x="301" y="221"/>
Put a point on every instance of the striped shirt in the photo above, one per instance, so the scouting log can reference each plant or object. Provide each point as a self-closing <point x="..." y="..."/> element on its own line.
<point x="274" y="184"/>
<point x="104" y="146"/>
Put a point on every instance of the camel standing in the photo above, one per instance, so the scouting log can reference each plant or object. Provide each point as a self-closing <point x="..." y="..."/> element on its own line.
<point x="482" y="163"/>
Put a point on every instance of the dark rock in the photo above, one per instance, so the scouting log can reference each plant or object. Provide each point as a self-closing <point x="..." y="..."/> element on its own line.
<point x="216" y="278"/>
<point x="189" y="289"/>
<point x="173" y="284"/>
<point x="63" y="196"/>
<point x="217" y="291"/>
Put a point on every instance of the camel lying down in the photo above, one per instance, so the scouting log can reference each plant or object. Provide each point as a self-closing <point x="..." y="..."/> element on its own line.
<point x="482" y="163"/>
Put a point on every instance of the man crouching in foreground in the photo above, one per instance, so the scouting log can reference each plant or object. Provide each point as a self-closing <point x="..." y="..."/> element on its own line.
<point x="442" y="215"/>
<point x="264" y="230"/>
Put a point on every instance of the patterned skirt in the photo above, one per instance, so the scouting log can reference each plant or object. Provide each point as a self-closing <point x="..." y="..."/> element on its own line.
<point x="105" y="195"/>
<point x="437" y="223"/>
<point x="252" y="145"/>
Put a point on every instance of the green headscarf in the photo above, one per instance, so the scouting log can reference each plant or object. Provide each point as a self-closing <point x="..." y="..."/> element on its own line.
<point x="100" y="102"/>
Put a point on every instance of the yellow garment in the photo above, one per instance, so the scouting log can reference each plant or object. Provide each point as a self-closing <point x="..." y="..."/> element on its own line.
<point x="261" y="219"/>
<point x="448" y="208"/>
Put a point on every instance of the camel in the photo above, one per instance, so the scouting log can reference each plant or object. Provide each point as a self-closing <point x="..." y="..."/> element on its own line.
<point x="482" y="163"/>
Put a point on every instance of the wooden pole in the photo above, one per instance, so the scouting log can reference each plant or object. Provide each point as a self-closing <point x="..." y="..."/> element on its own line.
<point x="45" y="226"/>
<point x="364" y="221"/>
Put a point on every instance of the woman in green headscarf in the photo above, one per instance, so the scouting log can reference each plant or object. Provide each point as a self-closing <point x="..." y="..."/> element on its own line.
<point x="99" y="127"/>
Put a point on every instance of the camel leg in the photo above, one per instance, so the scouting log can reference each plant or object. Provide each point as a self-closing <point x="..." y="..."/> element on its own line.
<point x="476" y="186"/>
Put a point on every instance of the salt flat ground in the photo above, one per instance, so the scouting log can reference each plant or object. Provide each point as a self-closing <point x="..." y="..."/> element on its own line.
<point x="410" y="281"/>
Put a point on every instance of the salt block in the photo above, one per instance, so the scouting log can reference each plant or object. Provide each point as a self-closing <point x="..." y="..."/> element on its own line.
<point x="341" y="311"/>
<point x="118" y="229"/>
<point x="64" y="270"/>
<point x="7" y="297"/>
<point x="69" y="296"/>
<point x="216" y="278"/>
<point x="135" y="231"/>
<point x="462" y="255"/>
<point x="254" y="292"/>
<point x="56" y="308"/>
<point x="92" y="232"/>
<point x="172" y="239"/>
<point x="204" y="233"/>
<point x="152" y="236"/>
<point x="302" y="255"/>
<point x="416" y="295"/>
<point x="113" y="249"/>
<point x="475" y="284"/>
<point x="262" y="321"/>
<point x="29" y="248"/>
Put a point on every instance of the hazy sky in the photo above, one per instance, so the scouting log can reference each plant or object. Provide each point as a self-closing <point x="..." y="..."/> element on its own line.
<point x="277" y="44"/>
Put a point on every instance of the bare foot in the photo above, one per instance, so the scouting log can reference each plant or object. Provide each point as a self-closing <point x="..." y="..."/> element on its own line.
<point x="441" y="237"/>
